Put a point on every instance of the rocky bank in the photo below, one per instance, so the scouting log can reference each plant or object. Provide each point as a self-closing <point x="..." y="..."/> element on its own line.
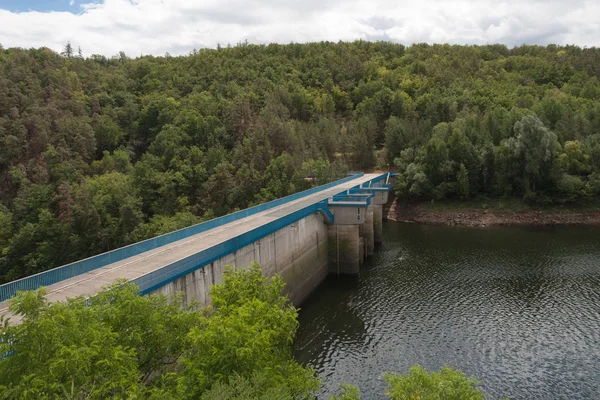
<point x="420" y="213"/>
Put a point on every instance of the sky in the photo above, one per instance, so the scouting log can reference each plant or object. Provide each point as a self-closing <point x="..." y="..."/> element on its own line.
<point x="141" y="27"/>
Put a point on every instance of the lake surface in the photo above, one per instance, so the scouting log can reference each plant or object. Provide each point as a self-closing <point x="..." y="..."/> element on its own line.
<point x="517" y="308"/>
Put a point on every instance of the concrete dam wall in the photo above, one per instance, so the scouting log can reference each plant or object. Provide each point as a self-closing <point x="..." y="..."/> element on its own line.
<point x="328" y="229"/>
<point x="302" y="253"/>
<point x="297" y="252"/>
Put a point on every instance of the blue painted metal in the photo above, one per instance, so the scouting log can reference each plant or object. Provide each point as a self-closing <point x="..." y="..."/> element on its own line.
<point x="183" y="267"/>
<point x="58" y="274"/>
<point x="325" y="212"/>
<point x="377" y="184"/>
<point x="353" y="193"/>
<point x="380" y="186"/>
<point x="381" y="178"/>
<point x="346" y="200"/>
<point x="369" y="190"/>
<point x="350" y="198"/>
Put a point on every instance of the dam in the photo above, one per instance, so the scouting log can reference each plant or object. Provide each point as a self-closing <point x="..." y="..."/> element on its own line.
<point x="329" y="229"/>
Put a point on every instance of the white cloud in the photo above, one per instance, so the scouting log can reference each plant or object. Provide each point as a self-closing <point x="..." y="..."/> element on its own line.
<point x="178" y="26"/>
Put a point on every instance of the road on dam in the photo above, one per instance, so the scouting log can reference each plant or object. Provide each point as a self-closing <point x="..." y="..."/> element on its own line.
<point x="131" y="268"/>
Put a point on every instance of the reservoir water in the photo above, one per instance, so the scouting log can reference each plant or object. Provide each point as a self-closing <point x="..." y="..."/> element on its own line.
<point x="517" y="308"/>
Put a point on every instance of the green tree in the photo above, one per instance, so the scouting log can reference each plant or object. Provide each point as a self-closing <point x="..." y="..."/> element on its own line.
<point x="420" y="384"/>
<point x="462" y="179"/>
<point x="62" y="350"/>
<point x="538" y="148"/>
<point x="251" y="330"/>
<point x="119" y="344"/>
<point x="171" y="124"/>
<point x="119" y="209"/>
<point x="347" y="392"/>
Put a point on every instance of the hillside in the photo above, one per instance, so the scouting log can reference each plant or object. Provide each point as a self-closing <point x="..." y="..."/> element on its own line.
<point x="96" y="153"/>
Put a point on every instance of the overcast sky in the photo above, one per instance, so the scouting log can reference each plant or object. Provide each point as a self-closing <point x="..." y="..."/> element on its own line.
<point x="178" y="26"/>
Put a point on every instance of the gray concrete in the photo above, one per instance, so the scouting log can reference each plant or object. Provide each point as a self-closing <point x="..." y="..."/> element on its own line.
<point x="380" y="197"/>
<point x="344" y="249"/>
<point x="135" y="267"/>
<point x="348" y="215"/>
<point x="297" y="252"/>
<point x="369" y="232"/>
<point x="378" y="223"/>
<point x="361" y="251"/>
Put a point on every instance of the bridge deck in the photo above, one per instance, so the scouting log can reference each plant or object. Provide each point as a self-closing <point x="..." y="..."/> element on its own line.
<point x="134" y="267"/>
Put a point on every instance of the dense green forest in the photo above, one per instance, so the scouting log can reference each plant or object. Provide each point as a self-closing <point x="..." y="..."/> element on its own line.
<point x="98" y="152"/>
<point x="120" y="345"/>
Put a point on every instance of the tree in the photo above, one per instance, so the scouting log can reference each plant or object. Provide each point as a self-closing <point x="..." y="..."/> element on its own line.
<point x="347" y="392"/>
<point x="538" y="147"/>
<point x="251" y="315"/>
<point x="462" y="179"/>
<point x="420" y="384"/>
<point x="118" y="206"/>
<point x="107" y="132"/>
<point x="362" y="137"/>
<point x="119" y="344"/>
<point x="395" y="137"/>
<point x="63" y="351"/>
<point x="170" y="124"/>
<point x="67" y="51"/>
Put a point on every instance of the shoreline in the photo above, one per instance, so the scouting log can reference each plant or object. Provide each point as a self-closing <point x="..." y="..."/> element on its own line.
<point x="478" y="217"/>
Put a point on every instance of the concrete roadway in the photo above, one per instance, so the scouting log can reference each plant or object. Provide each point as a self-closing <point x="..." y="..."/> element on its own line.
<point x="134" y="267"/>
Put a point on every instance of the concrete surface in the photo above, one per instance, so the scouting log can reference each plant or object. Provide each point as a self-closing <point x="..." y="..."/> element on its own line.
<point x="134" y="267"/>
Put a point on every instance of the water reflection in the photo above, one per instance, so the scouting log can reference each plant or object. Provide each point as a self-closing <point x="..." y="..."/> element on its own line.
<point x="517" y="308"/>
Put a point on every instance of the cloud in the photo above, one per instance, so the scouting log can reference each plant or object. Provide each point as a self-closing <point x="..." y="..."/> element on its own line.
<point x="178" y="26"/>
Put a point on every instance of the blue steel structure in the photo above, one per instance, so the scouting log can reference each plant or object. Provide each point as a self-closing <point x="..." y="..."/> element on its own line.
<point x="171" y="272"/>
<point x="182" y="267"/>
<point x="355" y="196"/>
<point x="351" y="200"/>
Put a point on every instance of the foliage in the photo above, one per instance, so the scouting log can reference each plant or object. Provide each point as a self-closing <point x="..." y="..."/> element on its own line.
<point x="96" y="153"/>
<point x="64" y="350"/>
<point x="347" y="392"/>
<point x="252" y="329"/>
<point x="119" y="344"/>
<point x="447" y="384"/>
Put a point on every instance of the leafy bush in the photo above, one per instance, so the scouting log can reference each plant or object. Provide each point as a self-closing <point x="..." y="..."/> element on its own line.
<point x="447" y="384"/>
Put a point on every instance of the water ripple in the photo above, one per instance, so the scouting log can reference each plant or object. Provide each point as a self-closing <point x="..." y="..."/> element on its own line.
<point x="518" y="309"/>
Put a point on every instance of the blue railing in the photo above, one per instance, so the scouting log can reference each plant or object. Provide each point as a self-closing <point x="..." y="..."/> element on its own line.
<point x="58" y="274"/>
<point x="350" y="201"/>
<point x="380" y="179"/>
<point x="373" y="188"/>
<point x="351" y="197"/>
<point x="180" y="268"/>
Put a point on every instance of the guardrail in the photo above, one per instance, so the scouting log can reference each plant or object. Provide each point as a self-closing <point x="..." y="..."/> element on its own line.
<point x="71" y="270"/>
<point x="351" y="197"/>
<point x="183" y="267"/>
<point x="350" y="201"/>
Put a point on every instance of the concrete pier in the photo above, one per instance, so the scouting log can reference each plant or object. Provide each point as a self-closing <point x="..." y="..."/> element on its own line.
<point x="370" y="232"/>
<point x="344" y="249"/>
<point x="378" y="222"/>
<point x="303" y="237"/>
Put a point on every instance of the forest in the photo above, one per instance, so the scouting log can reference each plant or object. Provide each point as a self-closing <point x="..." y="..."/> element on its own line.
<point x="97" y="152"/>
